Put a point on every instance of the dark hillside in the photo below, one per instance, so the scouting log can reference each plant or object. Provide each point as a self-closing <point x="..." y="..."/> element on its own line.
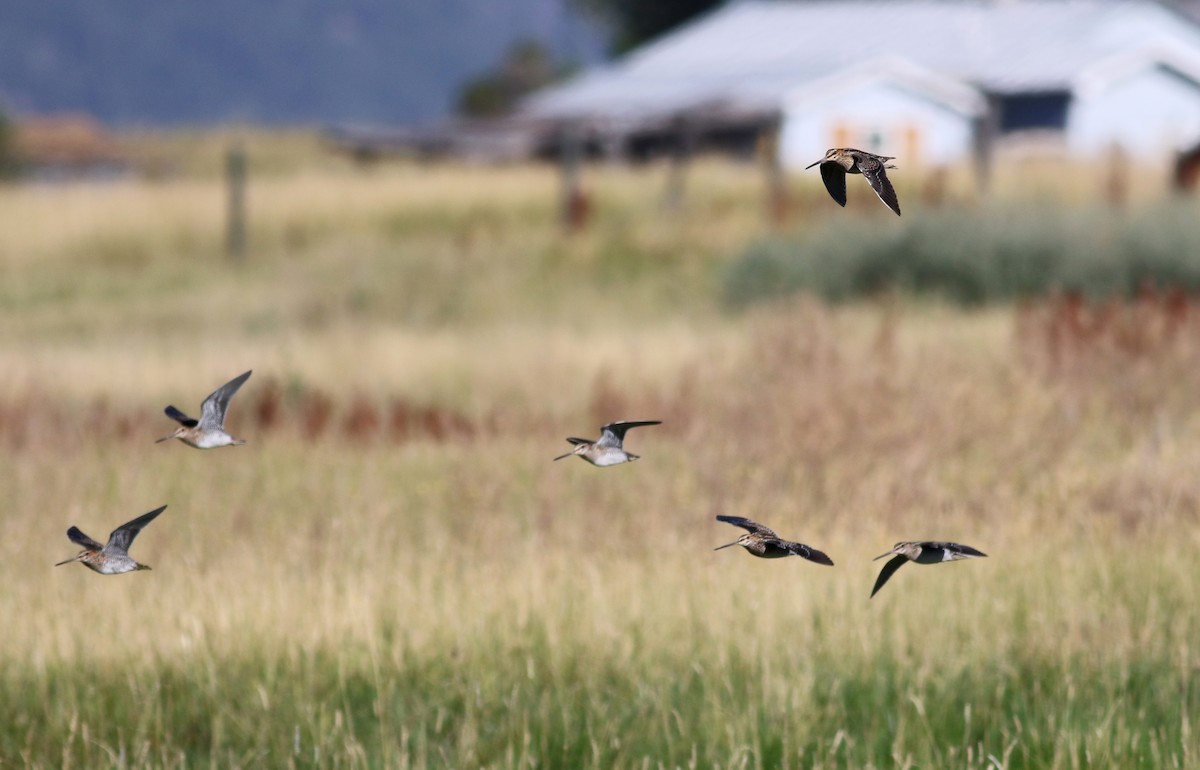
<point x="276" y="61"/>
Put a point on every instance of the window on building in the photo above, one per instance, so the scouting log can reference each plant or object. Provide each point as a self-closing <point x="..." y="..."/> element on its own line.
<point x="1025" y="112"/>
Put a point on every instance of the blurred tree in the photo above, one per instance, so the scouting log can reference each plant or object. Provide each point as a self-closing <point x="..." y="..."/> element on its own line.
<point x="527" y="66"/>
<point x="636" y="21"/>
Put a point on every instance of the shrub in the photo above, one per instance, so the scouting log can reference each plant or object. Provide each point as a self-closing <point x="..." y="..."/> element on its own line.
<point x="976" y="256"/>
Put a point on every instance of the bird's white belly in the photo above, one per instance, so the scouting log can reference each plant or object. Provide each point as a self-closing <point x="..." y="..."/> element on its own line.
<point x="210" y="441"/>
<point x="608" y="458"/>
<point x="109" y="568"/>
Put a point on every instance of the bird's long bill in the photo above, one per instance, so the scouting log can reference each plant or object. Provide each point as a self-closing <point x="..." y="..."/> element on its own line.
<point x="164" y="438"/>
<point x="880" y="556"/>
<point x="725" y="546"/>
<point x="68" y="561"/>
<point x="810" y="165"/>
<point x="568" y="454"/>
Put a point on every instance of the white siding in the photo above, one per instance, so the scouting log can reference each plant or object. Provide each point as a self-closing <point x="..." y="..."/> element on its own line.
<point x="879" y="117"/>
<point x="1150" y="113"/>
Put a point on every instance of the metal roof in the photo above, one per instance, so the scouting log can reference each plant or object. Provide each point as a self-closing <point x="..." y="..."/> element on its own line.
<point x="757" y="51"/>
<point x="950" y="93"/>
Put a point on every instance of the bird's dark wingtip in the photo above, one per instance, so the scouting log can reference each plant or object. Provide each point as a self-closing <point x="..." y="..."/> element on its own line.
<point x="886" y="573"/>
<point x="180" y="417"/>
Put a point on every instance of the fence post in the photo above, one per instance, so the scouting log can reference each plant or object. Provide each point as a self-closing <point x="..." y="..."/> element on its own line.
<point x="235" y="224"/>
<point x="986" y="127"/>
<point x="1116" y="182"/>
<point x="681" y="156"/>
<point x="575" y="204"/>
<point x="777" y="193"/>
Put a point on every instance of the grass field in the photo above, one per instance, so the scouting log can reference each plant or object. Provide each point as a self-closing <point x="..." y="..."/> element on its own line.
<point x="392" y="573"/>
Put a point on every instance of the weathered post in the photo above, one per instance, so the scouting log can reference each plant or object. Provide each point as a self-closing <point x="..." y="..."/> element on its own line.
<point x="574" y="202"/>
<point x="1116" y="182"/>
<point x="235" y="225"/>
<point x="983" y="141"/>
<point x="685" y="142"/>
<point x="776" y="192"/>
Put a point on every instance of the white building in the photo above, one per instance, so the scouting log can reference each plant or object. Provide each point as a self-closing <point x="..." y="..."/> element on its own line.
<point x="933" y="81"/>
<point x="886" y="105"/>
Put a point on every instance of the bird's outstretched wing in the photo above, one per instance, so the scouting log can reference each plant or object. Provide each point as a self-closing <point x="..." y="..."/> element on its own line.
<point x="953" y="551"/>
<point x="212" y="411"/>
<point x="834" y="177"/>
<point x="122" y="537"/>
<point x="613" y="434"/>
<point x="874" y="172"/>
<point x="750" y="526"/>
<point x="807" y="552"/>
<point x="180" y="417"/>
<point x="889" y="569"/>
<point x="78" y="538"/>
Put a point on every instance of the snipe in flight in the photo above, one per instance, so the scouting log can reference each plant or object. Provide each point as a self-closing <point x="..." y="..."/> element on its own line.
<point x="209" y="431"/>
<point x="112" y="558"/>
<point x="921" y="552"/>
<point x="609" y="449"/>
<point x="764" y="543"/>
<point x="840" y="161"/>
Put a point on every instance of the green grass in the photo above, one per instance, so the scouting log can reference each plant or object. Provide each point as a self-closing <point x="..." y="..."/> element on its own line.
<point x="586" y="708"/>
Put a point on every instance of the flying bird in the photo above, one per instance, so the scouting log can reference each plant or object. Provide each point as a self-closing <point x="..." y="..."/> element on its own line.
<point x="764" y="543"/>
<point x="112" y="558"/>
<point x="209" y="431"/>
<point x="921" y="552"/>
<point x="846" y="160"/>
<point x="609" y="448"/>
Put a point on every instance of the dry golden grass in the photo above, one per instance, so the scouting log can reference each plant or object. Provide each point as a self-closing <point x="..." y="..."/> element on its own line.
<point x="350" y="597"/>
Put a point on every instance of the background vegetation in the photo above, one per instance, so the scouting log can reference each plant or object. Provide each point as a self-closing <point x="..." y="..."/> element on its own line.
<point x="526" y="67"/>
<point x="973" y="256"/>
<point x="392" y="573"/>
<point x="635" y="23"/>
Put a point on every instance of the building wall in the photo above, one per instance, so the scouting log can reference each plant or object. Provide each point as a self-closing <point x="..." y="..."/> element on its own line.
<point x="878" y="117"/>
<point x="1150" y="113"/>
